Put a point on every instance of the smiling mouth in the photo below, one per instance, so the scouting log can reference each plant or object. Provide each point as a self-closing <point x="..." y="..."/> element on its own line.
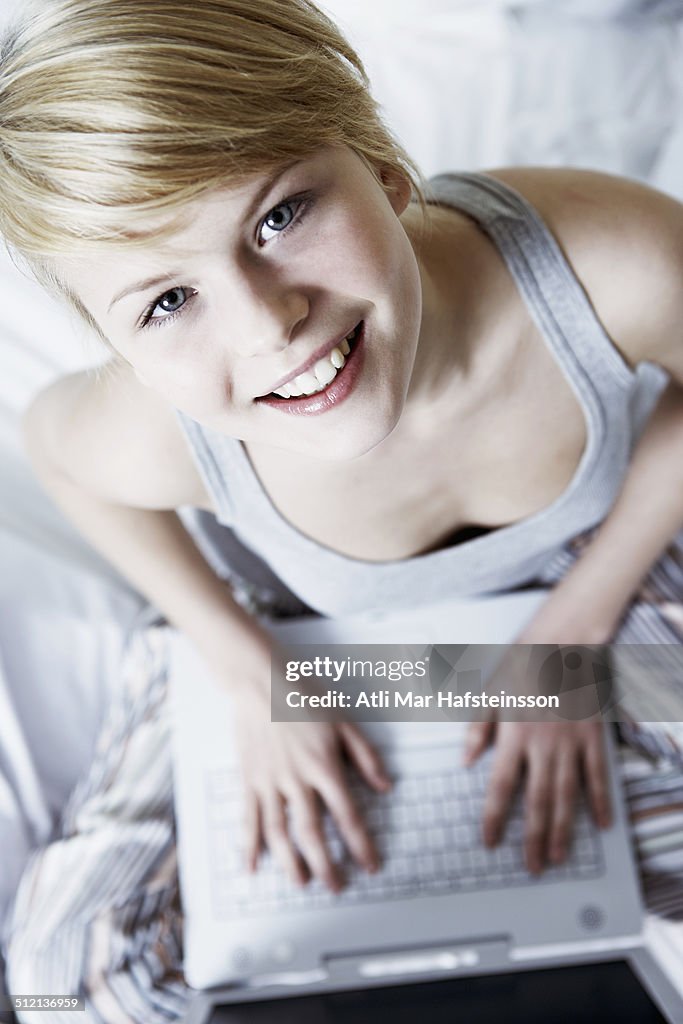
<point x="321" y="375"/>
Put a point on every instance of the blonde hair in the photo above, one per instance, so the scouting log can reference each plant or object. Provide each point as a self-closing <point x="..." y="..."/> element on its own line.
<point x="115" y="110"/>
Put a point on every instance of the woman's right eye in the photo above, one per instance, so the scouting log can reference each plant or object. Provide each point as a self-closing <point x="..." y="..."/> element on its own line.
<point x="166" y="306"/>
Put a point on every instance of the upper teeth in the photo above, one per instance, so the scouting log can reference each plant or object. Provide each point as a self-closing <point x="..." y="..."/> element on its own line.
<point x="320" y="375"/>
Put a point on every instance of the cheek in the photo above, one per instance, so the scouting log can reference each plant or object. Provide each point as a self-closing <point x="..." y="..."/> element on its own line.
<point x="356" y="251"/>
<point x="408" y="287"/>
<point x="393" y="267"/>
<point x="400" y="278"/>
<point x="199" y="387"/>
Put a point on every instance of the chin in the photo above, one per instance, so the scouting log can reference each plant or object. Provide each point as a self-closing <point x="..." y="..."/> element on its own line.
<point x="352" y="441"/>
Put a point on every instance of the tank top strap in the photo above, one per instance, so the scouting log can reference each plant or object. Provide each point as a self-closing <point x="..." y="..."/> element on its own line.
<point x="554" y="296"/>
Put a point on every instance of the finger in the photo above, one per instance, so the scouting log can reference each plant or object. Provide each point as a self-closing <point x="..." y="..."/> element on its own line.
<point x="595" y="774"/>
<point x="364" y="756"/>
<point x="564" y="804"/>
<point x="477" y="739"/>
<point x="353" y="830"/>
<point x="278" y="840"/>
<point x="252" y="830"/>
<point x="500" y="791"/>
<point x="310" y="837"/>
<point x="537" y="810"/>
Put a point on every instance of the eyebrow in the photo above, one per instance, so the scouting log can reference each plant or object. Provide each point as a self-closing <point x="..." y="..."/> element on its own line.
<point x="142" y="286"/>
<point x="165" y="278"/>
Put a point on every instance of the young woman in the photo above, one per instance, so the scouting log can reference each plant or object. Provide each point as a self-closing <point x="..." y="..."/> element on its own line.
<point x="383" y="392"/>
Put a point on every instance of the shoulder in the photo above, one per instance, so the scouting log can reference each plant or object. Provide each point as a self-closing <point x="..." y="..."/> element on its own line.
<point x="624" y="241"/>
<point x="107" y="432"/>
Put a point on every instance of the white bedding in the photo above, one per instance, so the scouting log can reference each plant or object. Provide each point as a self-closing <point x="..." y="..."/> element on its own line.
<point x="466" y="84"/>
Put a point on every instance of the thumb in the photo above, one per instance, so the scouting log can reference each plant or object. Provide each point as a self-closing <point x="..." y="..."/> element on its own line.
<point x="364" y="756"/>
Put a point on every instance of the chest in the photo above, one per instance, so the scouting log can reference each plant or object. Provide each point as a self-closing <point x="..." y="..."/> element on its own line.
<point x="503" y="454"/>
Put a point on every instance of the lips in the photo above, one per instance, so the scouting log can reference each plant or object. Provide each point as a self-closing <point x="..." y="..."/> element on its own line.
<point x="321" y="373"/>
<point x="337" y="350"/>
<point x="327" y="395"/>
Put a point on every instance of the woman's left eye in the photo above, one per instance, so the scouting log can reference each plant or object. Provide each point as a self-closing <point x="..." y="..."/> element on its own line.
<point x="279" y="219"/>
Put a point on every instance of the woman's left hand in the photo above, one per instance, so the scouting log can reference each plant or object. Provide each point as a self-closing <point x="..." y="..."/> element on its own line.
<point x="555" y="758"/>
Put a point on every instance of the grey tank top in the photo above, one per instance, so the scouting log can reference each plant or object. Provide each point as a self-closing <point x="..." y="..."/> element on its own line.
<point x="615" y="401"/>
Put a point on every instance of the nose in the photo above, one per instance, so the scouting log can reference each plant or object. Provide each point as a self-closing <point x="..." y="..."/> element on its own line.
<point x="269" y="318"/>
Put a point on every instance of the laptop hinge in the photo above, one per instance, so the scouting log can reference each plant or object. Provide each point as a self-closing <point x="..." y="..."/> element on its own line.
<point x="421" y="962"/>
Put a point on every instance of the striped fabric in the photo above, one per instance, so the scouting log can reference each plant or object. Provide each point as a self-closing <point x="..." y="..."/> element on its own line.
<point x="98" y="911"/>
<point x="655" y="617"/>
<point x="655" y="799"/>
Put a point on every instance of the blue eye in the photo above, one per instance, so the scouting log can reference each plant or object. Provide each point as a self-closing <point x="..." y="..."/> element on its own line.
<point x="169" y="304"/>
<point x="279" y="219"/>
<point x="171" y="301"/>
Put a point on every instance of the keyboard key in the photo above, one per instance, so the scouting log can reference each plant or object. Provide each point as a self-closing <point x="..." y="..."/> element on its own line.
<point x="428" y="831"/>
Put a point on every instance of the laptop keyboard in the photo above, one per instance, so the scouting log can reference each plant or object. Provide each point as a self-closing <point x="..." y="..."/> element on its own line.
<point x="427" y="831"/>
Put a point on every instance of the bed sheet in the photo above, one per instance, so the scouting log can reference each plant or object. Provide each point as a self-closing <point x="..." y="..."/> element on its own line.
<point x="61" y="635"/>
<point x="477" y="84"/>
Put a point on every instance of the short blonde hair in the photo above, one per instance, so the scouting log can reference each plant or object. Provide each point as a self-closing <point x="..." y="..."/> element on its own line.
<point x="115" y="110"/>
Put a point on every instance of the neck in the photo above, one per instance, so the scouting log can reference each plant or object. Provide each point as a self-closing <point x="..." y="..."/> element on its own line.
<point x="445" y="354"/>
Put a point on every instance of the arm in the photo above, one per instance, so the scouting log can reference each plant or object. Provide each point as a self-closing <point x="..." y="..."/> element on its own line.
<point x="588" y="604"/>
<point x="123" y="502"/>
<point x="111" y="455"/>
<point x="625" y="243"/>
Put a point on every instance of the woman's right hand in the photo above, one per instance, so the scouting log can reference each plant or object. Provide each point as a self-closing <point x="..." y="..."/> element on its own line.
<point x="293" y="772"/>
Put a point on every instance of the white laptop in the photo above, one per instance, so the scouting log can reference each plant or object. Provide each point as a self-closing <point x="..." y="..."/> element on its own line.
<point x="446" y="927"/>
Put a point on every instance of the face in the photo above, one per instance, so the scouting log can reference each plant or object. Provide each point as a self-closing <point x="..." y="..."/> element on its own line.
<point x="284" y="312"/>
